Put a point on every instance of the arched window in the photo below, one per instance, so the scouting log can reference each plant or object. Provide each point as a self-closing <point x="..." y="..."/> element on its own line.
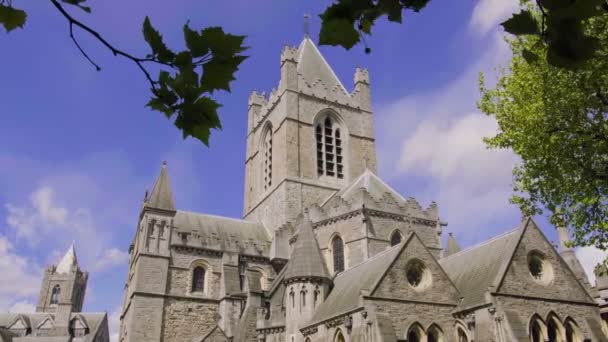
<point x="316" y="296"/>
<point x="329" y="149"/>
<point x="267" y="150"/>
<point x="337" y="247"/>
<point x="339" y="337"/>
<point x="434" y="334"/>
<point x="198" y="279"/>
<point x="78" y="328"/>
<point x="267" y="309"/>
<point x="413" y="336"/>
<point x="536" y="333"/>
<point x="462" y="336"/>
<point x="292" y="298"/>
<point x="55" y="294"/>
<point x="572" y="334"/>
<point x="302" y="298"/>
<point x="395" y="238"/>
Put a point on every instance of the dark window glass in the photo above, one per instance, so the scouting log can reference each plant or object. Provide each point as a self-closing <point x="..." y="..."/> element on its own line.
<point x="198" y="279"/>
<point x="338" y="251"/>
<point x="55" y="294"/>
<point x="395" y="238"/>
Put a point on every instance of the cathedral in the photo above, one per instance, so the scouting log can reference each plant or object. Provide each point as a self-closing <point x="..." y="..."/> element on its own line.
<point x="58" y="316"/>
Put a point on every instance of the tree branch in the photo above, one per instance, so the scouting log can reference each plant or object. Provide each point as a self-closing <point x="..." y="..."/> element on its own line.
<point x="139" y="61"/>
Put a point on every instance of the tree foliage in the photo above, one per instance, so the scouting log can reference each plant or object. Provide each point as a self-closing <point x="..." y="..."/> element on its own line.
<point x="186" y="79"/>
<point x="556" y="120"/>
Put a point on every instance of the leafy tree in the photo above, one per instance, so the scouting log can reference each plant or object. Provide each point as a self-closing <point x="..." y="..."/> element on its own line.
<point x="556" y="120"/>
<point x="187" y="78"/>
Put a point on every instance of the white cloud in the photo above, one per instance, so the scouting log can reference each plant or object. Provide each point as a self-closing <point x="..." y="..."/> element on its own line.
<point x="109" y="258"/>
<point x="430" y="145"/>
<point x="114" y="324"/>
<point x="488" y="14"/>
<point x="589" y="257"/>
<point x="22" y="307"/>
<point x="18" y="280"/>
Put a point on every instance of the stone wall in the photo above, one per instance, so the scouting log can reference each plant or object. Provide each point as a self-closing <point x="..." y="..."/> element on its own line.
<point x="184" y="319"/>
<point x="518" y="279"/>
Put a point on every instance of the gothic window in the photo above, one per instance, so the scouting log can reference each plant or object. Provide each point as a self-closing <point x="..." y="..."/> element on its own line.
<point x="395" y="238"/>
<point x="329" y="149"/>
<point x="77" y="328"/>
<point x="267" y="313"/>
<point x="338" y="254"/>
<point x="339" y="337"/>
<point x="198" y="279"/>
<point x="55" y="294"/>
<point x="302" y="298"/>
<point x="242" y="269"/>
<point x="434" y="334"/>
<point x="571" y="335"/>
<point x="462" y="336"/>
<point x="536" y="334"/>
<point x="292" y="297"/>
<point x="552" y="331"/>
<point x="413" y="336"/>
<point x="267" y="157"/>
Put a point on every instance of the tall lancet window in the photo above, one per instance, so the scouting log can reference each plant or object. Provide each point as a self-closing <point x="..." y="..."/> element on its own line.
<point x="329" y="149"/>
<point x="55" y="294"/>
<point x="338" y="254"/>
<point x="198" y="279"/>
<point x="267" y="149"/>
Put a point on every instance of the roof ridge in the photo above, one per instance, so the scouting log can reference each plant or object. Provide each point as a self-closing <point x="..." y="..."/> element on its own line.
<point x="483" y="243"/>
<point x="218" y="216"/>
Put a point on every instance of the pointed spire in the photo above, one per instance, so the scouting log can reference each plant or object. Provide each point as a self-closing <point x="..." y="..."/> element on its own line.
<point x="306" y="260"/>
<point x="68" y="260"/>
<point x="452" y="246"/>
<point x="312" y="66"/>
<point x="161" y="196"/>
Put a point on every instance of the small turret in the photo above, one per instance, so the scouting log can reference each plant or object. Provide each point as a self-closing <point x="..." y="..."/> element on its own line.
<point x="570" y="258"/>
<point x="161" y="196"/>
<point x="361" y="94"/>
<point x="452" y="246"/>
<point x="289" y="72"/>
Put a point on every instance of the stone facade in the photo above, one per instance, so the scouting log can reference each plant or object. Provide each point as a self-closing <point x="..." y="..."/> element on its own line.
<point x="327" y="251"/>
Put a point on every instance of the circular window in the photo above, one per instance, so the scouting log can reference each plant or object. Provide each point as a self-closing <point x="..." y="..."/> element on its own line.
<point x="540" y="269"/>
<point x="417" y="275"/>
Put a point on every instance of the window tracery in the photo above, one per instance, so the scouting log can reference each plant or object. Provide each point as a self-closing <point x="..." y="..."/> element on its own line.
<point x="329" y="149"/>
<point x="267" y="149"/>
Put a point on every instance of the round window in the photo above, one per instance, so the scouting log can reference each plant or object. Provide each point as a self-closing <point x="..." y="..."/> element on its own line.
<point x="540" y="269"/>
<point x="417" y="275"/>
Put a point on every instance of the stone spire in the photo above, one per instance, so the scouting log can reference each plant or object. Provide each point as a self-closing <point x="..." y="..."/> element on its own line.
<point x="452" y="246"/>
<point x="312" y="66"/>
<point x="68" y="260"/>
<point x="306" y="260"/>
<point x="161" y="196"/>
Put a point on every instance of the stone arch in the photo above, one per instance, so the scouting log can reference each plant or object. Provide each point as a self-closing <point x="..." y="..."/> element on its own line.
<point x="339" y="336"/>
<point x="571" y="330"/>
<point x="461" y="332"/>
<point x="415" y="333"/>
<point x="332" y="145"/>
<point x="434" y="333"/>
<point x="555" y="328"/>
<point x="194" y="271"/>
<point x="395" y="237"/>
<point x="337" y="253"/>
<point x="265" y="144"/>
<point x="537" y="329"/>
<point x="263" y="277"/>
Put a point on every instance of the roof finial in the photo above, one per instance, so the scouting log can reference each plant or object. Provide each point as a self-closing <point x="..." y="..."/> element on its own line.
<point x="306" y="21"/>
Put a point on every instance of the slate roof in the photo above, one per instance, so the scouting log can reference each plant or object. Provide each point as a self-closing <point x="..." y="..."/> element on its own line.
<point x="375" y="186"/>
<point x="223" y="228"/>
<point x="68" y="260"/>
<point x="312" y="65"/>
<point x="345" y="296"/>
<point x="306" y="259"/>
<point x="161" y="196"/>
<point x="452" y="246"/>
<point x="475" y="269"/>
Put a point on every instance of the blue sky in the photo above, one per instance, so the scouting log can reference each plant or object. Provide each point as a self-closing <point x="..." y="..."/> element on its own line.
<point x="78" y="148"/>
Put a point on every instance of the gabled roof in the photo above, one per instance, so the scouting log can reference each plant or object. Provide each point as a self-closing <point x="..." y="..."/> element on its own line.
<point x="452" y="246"/>
<point x="68" y="260"/>
<point x="375" y="186"/>
<point x="345" y="296"/>
<point x="476" y="269"/>
<point x="312" y="65"/>
<point x="306" y="260"/>
<point x="161" y="196"/>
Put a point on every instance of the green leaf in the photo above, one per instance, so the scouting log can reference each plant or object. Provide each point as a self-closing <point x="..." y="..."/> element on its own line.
<point x="222" y="44"/>
<point x="198" y="118"/>
<point x="155" y="40"/>
<point x="159" y="105"/>
<point x="219" y="72"/>
<point x="12" y="18"/>
<point x="78" y="3"/>
<point x="195" y="42"/>
<point x="521" y="23"/>
<point x="581" y="9"/>
<point x="338" y="32"/>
